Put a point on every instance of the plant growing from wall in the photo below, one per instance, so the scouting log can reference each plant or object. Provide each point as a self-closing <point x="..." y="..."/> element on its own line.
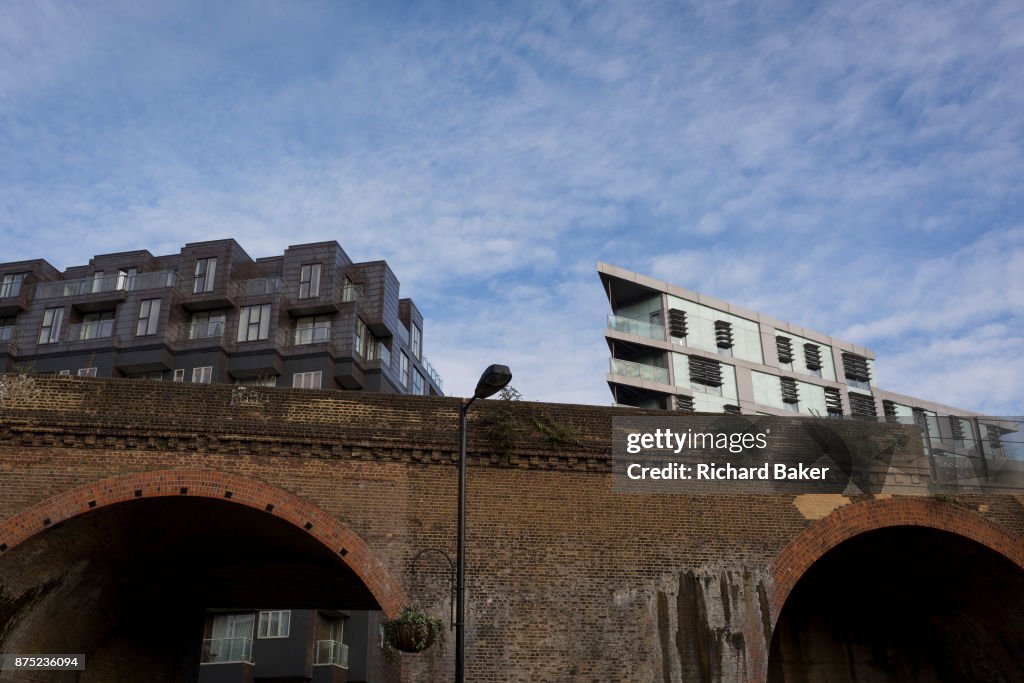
<point x="504" y="424"/>
<point x="412" y="631"/>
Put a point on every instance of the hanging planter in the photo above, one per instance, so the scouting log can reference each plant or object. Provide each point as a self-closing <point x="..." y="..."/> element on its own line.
<point x="412" y="631"/>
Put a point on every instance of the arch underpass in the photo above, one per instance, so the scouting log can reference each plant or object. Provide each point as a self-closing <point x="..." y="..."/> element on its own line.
<point x="128" y="583"/>
<point x="903" y="603"/>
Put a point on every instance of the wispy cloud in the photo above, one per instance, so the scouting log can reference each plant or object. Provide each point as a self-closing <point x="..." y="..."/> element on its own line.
<point x="852" y="168"/>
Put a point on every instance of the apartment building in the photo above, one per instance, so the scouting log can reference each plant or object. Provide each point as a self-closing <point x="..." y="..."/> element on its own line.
<point x="309" y="318"/>
<point x="675" y="349"/>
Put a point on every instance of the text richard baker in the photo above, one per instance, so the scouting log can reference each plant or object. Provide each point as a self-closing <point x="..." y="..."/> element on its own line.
<point x="711" y="471"/>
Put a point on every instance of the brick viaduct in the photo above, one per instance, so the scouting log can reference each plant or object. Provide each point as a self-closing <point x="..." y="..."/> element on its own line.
<point x="119" y="497"/>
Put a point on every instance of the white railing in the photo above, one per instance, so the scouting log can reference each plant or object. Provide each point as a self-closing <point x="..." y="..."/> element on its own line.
<point x="311" y="335"/>
<point x="434" y="375"/>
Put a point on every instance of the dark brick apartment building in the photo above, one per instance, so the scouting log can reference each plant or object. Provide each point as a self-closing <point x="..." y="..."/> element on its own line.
<point x="310" y="318"/>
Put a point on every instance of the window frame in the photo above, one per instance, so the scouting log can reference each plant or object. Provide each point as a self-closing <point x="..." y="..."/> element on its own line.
<point x="206" y="274"/>
<point x="284" y="621"/>
<point x="149" y="316"/>
<point x="11" y="284"/>
<point x="305" y="380"/>
<point x="49" y="331"/>
<point x="309" y="278"/>
<point x="205" y="374"/>
<point x="404" y="370"/>
<point x="261" y="323"/>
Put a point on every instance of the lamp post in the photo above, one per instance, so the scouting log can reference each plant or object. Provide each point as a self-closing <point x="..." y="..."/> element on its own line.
<point x="494" y="379"/>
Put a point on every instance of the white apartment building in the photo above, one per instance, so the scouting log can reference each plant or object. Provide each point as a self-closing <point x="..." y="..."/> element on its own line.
<point x="675" y="349"/>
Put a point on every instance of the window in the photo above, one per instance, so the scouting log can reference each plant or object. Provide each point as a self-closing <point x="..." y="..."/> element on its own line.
<point x="64" y="373"/>
<point x="684" y="402"/>
<point x="307" y="380"/>
<point x="784" y="347"/>
<point x="861" y="405"/>
<point x="6" y="329"/>
<point x="254" y="323"/>
<point x="50" y="331"/>
<point x="155" y="376"/>
<point x="790" y="392"/>
<point x="313" y="329"/>
<point x="417" y="342"/>
<point x="228" y="639"/>
<point x="126" y="278"/>
<point x="833" y="401"/>
<point x="207" y="325"/>
<point x="812" y="358"/>
<point x="149" y="317"/>
<point x="203" y="375"/>
<point x="417" y="382"/>
<point x="87" y="372"/>
<point x="97" y="281"/>
<point x="179" y="375"/>
<point x="206" y="270"/>
<point x="274" y="624"/>
<point x="259" y="381"/>
<point x="858" y="374"/>
<point x="97" y="325"/>
<point x="405" y="369"/>
<point x="309" y="281"/>
<point x="11" y="284"/>
<point x="705" y="375"/>
<point x="360" y="338"/>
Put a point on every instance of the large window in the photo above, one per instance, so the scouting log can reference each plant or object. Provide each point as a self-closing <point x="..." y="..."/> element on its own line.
<point x="149" y="317"/>
<point x="309" y="281"/>
<point x="417" y="382"/>
<point x="11" y="284"/>
<point x="6" y="329"/>
<point x="203" y="375"/>
<point x="405" y="369"/>
<point x="313" y="329"/>
<point x="417" y="342"/>
<point x="50" y="331"/>
<point x="254" y="323"/>
<point x="307" y="380"/>
<point x="361" y="339"/>
<point x="275" y="624"/>
<point x="206" y="270"/>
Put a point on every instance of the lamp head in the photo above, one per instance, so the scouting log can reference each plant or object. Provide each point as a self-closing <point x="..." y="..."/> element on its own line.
<point x="494" y="379"/>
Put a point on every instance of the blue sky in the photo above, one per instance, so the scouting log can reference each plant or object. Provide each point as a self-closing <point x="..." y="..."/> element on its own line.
<point x="852" y="167"/>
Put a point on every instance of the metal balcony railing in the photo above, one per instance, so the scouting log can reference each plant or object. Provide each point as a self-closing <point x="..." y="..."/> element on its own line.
<point x="635" y="327"/>
<point x="650" y="373"/>
<point x="331" y="652"/>
<point x="220" y="650"/>
<point x="434" y="374"/>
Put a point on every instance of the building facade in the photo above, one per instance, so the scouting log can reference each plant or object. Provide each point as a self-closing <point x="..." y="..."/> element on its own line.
<point x="675" y="349"/>
<point x="310" y="318"/>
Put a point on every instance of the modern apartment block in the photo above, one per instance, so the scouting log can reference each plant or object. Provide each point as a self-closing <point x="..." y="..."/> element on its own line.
<point x="310" y="318"/>
<point x="675" y="349"/>
<point x="318" y="646"/>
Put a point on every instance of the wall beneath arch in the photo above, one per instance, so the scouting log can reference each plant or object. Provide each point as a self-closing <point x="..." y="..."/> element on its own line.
<point x="568" y="581"/>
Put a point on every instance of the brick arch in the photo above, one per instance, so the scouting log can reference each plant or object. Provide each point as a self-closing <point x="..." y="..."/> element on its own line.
<point x="849" y="521"/>
<point x="307" y="518"/>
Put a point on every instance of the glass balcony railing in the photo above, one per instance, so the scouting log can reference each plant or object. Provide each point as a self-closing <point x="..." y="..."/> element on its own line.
<point x="220" y="650"/>
<point x="261" y="286"/>
<point x="649" y="373"/>
<point x="351" y="292"/>
<point x="311" y="335"/>
<point x="331" y="652"/>
<point x="205" y="329"/>
<point x="107" y="283"/>
<point x="638" y="328"/>
<point x="100" y="329"/>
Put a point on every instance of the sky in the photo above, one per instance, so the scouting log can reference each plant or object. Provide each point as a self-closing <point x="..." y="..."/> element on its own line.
<point x="854" y="168"/>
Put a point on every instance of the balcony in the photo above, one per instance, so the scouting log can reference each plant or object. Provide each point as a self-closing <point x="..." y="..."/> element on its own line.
<point x="99" y="293"/>
<point x="259" y="287"/>
<point x="304" y="336"/>
<point x="226" y="650"/>
<point x="637" y="328"/>
<point x="647" y="373"/>
<point x="331" y="652"/>
<point x="8" y="340"/>
<point x="435" y="377"/>
<point x="14" y="297"/>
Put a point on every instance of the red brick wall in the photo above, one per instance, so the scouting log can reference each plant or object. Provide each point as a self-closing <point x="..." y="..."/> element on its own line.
<point x="568" y="581"/>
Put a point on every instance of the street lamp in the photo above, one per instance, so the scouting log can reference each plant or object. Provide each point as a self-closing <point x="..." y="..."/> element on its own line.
<point x="494" y="379"/>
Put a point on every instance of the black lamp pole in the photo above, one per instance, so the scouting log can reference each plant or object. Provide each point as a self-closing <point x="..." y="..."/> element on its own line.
<point x="494" y="379"/>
